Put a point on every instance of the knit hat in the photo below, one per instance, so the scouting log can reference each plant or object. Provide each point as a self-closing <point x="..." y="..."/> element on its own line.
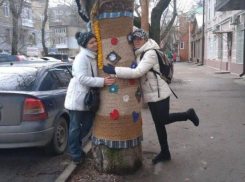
<point x="140" y="33"/>
<point x="83" y="38"/>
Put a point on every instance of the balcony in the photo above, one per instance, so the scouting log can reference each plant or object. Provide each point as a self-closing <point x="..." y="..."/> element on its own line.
<point x="27" y="22"/>
<point x="230" y="5"/>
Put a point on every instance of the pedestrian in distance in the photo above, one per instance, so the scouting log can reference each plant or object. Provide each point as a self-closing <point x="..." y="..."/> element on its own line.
<point x="170" y="56"/>
<point x="158" y="103"/>
<point x="84" y="71"/>
<point x="174" y="57"/>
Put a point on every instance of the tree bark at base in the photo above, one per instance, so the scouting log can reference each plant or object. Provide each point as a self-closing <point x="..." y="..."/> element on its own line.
<point x="117" y="161"/>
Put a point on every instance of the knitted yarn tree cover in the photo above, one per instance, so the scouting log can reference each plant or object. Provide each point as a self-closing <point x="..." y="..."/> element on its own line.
<point x="118" y="122"/>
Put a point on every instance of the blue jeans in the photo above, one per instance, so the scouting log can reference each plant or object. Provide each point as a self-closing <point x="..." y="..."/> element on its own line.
<point x="80" y="125"/>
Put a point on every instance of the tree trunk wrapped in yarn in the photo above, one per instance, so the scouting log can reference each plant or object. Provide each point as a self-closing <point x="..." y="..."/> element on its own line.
<point x="117" y="132"/>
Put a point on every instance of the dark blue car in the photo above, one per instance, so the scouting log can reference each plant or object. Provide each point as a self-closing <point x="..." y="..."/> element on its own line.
<point x="32" y="112"/>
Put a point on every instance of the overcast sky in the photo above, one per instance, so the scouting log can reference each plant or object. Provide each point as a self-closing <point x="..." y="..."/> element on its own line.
<point x="183" y="5"/>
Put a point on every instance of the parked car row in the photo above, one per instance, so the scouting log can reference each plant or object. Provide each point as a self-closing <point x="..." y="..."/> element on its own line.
<point x="49" y="57"/>
<point x="32" y="112"/>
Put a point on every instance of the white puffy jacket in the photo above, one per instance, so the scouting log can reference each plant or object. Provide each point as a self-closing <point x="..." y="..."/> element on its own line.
<point x="82" y="80"/>
<point x="147" y="78"/>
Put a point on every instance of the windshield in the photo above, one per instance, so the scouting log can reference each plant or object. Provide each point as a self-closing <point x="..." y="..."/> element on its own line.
<point x="17" y="78"/>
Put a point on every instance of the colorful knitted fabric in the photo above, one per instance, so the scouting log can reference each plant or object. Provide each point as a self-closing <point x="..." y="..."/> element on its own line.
<point x="116" y="6"/>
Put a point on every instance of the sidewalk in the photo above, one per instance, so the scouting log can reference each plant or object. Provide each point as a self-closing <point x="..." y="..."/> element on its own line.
<point x="212" y="152"/>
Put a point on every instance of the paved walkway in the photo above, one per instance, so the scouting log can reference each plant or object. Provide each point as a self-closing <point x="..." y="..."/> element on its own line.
<point x="212" y="152"/>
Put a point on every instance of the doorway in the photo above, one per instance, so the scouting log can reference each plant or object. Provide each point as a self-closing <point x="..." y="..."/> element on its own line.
<point x="229" y="48"/>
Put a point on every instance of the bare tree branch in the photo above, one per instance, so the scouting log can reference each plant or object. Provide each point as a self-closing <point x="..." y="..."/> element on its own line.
<point x="170" y="24"/>
<point x="156" y="15"/>
<point x="1" y="2"/>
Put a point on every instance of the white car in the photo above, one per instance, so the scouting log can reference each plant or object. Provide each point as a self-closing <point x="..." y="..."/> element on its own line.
<point x="50" y="59"/>
<point x="34" y="59"/>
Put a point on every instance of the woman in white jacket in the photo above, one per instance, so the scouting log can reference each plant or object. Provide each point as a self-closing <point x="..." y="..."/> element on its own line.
<point x="83" y="66"/>
<point x="158" y="103"/>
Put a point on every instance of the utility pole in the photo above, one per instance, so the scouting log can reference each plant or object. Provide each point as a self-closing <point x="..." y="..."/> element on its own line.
<point x="203" y="31"/>
<point x="145" y="15"/>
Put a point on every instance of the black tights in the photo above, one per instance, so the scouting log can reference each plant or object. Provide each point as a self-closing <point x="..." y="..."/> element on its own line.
<point x="161" y="117"/>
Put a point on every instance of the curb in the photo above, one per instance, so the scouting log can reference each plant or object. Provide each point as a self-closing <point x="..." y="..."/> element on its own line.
<point x="71" y="167"/>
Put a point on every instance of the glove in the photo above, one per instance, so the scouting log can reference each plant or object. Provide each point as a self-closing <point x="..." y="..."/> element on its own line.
<point x="109" y="68"/>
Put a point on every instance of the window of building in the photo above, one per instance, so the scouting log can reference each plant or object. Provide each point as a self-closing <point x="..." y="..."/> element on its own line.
<point x="53" y="41"/>
<point x="41" y="18"/>
<point x="214" y="8"/>
<point x="34" y="38"/>
<point x="5" y="9"/>
<point x="7" y="34"/>
<point x="182" y="45"/>
<point x="65" y="40"/>
<point x="220" y="46"/>
<point x="209" y="10"/>
<point x="209" y="47"/>
<point x="17" y="8"/>
<point x="29" y="14"/>
<point x="214" y="47"/>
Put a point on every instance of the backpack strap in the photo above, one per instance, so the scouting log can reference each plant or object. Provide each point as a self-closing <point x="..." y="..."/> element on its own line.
<point x="157" y="73"/>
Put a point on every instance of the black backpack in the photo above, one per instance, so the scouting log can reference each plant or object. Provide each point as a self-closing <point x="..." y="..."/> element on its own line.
<point x="166" y="68"/>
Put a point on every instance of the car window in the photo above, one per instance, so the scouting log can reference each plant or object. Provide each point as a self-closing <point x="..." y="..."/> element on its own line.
<point x="13" y="58"/>
<point x="63" y="75"/>
<point x="70" y="69"/>
<point x="17" y="78"/>
<point x="3" y="58"/>
<point x="50" y="82"/>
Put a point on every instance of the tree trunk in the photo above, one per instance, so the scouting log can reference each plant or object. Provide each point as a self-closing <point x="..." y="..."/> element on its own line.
<point x="110" y="158"/>
<point x="145" y="15"/>
<point x="1" y="2"/>
<point x="156" y="15"/>
<point x="117" y="161"/>
<point x="45" y="49"/>
<point x="15" y="36"/>
<point x="16" y="15"/>
<point x="170" y="24"/>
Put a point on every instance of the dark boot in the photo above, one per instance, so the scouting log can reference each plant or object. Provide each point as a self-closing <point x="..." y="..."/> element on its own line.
<point x="191" y="115"/>
<point x="162" y="156"/>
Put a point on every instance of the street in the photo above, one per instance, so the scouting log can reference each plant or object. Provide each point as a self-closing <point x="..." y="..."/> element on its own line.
<point x="212" y="152"/>
<point x="30" y="164"/>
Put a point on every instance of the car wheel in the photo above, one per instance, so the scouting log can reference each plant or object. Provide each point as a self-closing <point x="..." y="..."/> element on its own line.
<point x="60" y="137"/>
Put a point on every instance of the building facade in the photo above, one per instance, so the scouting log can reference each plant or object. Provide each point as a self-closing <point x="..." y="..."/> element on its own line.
<point x="196" y="36"/>
<point x="64" y="23"/>
<point x="183" y="43"/>
<point x="63" y="39"/>
<point x="29" y="24"/>
<point x="224" y="35"/>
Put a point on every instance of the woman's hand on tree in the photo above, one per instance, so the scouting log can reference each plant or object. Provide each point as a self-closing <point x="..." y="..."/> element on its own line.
<point x="109" y="68"/>
<point x="109" y="80"/>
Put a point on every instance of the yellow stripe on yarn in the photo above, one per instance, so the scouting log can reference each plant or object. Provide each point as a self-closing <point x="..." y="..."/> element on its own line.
<point x="99" y="44"/>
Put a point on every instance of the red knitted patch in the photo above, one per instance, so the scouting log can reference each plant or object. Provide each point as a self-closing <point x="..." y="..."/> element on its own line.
<point x="115" y="114"/>
<point x="114" y="41"/>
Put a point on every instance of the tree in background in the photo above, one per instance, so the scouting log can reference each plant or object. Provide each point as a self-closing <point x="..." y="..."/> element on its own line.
<point x="158" y="8"/>
<point x="45" y="49"/>
<point x="1" y="2"/>
<point x="16" y="9"/>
